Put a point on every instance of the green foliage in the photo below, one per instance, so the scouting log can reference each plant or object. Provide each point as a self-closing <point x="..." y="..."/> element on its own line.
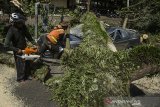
<point x="29" y="7"/>
<point x="40" y="71"/>
<point x="87" y="79"/>
<point x="76" y="15"/>
<point x="7" y="59"/>
<point x="144" y="15"/>
<point x="92" y="24"/>
<point x="154" y="39"/>
<point x="31" y="29"/>
<point x="146" y="54"/>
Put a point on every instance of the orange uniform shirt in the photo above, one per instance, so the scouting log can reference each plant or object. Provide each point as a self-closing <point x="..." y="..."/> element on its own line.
<point x="54" y="35"/>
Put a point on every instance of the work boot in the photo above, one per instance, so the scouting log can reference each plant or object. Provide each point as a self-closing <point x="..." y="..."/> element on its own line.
<point x="29" y="78"/>
<point x="21" y="81"/>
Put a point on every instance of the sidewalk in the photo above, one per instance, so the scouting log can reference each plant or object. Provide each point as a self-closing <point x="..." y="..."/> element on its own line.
<point x="31" y="93"/>
<point x="7" y="84"/>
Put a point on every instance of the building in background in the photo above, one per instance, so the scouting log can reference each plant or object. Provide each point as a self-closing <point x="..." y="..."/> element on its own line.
<point x="64" y="3"/>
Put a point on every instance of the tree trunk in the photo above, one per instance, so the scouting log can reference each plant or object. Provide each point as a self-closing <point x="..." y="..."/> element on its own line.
<point x="147" y="69"/>
<point x="125" y="22"/>
<point x="126" y="18"/>
<point x="88" y="5"/>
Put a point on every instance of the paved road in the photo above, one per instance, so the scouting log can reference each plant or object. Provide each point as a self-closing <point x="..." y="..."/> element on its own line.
<point x="34" y="94"/>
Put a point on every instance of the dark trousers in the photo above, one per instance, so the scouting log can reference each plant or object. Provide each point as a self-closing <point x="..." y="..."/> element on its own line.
<point x="22" y="68"/>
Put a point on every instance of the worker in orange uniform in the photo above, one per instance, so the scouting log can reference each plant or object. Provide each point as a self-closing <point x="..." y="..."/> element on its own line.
<point x="51" y="41"/>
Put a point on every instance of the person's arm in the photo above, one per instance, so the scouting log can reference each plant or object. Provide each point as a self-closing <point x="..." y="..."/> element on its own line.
<point x="8" y="41"/>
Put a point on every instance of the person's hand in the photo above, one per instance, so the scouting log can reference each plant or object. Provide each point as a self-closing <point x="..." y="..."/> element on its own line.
<point x="34" y="47"/>
<point x="23" y="51"/>
<point x="19" y="51"/>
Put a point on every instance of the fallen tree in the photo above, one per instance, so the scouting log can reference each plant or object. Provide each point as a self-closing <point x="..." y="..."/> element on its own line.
<point x="94" y="72"/>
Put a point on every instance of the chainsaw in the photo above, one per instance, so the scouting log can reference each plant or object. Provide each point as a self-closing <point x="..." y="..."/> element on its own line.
<point x="29" y="54"/>
<point x="29" y="50"/>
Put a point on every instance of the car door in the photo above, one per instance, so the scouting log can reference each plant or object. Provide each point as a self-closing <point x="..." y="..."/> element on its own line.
<point x="74" y="41"/>
<point x="121" y="39"/>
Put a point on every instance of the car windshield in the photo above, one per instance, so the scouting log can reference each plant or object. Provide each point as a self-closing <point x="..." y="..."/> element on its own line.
<point x="124" y="33"/>
<point x="118" y="35"/>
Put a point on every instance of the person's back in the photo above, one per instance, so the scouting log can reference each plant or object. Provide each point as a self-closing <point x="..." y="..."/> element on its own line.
<point x="54" y="35"/>
<point x="17" y="35"/>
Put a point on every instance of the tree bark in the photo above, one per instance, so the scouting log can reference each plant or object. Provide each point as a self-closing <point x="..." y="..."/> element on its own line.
<point x="126" y="18"/>
<point x="125" y="22"/>
<point x="147" y="69"/>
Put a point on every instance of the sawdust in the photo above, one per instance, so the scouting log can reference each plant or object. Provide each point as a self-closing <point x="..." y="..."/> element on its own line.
<point x="7" y="84"/>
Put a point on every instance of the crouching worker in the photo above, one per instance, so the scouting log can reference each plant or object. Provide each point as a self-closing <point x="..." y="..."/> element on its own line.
<point x="52" y="41"/>
<point x="17" y="35"/>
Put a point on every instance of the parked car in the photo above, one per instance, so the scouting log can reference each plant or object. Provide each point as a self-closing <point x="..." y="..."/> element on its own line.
<point x="124" y="38"/>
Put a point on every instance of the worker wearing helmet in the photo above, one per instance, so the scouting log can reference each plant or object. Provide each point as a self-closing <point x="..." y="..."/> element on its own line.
<point x="17" y="35"/>
<point x="144" y="38"/>
<point x="51" y="41"/>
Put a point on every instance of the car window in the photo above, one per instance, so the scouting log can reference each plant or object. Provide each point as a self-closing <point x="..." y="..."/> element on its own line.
<point x="118" y="35"/>
<point x="124" y="34"/>
<point x="132" y="33"/>
<point x="112" y="36"/>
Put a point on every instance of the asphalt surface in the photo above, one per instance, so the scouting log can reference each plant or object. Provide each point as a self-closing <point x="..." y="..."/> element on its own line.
<point x="34" y="94"/>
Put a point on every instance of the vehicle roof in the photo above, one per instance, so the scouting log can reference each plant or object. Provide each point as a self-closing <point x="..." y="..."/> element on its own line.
<point x="111" y="29"/>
